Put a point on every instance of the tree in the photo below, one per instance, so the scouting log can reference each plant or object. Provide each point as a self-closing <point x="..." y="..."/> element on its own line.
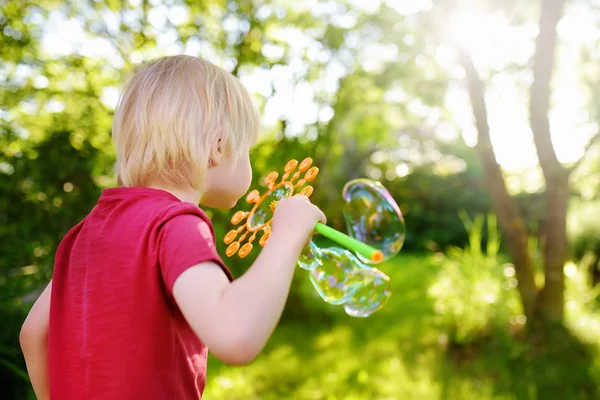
<point x="547" y="302"/>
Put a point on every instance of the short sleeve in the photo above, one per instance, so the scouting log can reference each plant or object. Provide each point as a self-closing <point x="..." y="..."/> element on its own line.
<point x="186" y="240"/>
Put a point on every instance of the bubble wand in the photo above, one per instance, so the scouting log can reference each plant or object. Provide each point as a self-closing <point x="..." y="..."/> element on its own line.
<point x="340" y="276"/>
<point x="350" y="243"/>
<point x="256" y="218"/>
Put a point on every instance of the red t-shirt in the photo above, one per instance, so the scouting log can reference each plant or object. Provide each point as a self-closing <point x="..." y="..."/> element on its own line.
<point x="115" y="331"/>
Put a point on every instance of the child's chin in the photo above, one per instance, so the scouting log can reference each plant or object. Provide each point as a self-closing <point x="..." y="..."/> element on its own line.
<point x="221" y="202"/>
<point x="229" y="206"/>
<point x="224" y="205"/>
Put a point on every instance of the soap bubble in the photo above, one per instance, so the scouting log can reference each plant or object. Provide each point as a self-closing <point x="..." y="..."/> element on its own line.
<point x="263" y="210"/>
<point x="338" y="277"/>
<point x="310" y="258"/>
<point x="372" y="296"/>
<point x="373" y="217"/>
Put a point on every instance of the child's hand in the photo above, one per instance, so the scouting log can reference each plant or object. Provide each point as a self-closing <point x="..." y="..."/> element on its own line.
<point x="297" y="217"/>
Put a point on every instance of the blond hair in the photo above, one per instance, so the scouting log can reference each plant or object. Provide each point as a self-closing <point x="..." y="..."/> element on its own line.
<point x="169" y="116"/>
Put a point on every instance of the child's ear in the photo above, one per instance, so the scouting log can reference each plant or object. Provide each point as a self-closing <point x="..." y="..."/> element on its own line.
<point x="216" y="153"/>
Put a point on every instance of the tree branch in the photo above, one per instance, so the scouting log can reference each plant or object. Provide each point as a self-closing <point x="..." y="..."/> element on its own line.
<point x="543" y="66"/>
<point x="595" y="139"/>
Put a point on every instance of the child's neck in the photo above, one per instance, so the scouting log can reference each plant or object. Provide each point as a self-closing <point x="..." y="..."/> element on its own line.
<point x="186" y="195"/>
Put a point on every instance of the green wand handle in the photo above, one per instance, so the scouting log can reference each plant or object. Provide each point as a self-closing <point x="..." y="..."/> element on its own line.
<point x="350" y="243"/>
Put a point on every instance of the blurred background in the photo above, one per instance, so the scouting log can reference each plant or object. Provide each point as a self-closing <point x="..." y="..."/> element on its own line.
<point x="481" y="119"/>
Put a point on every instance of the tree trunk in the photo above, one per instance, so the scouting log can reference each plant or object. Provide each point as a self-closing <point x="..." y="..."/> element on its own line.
<point x="509" y="217"/>
<point x="551" y="302"/>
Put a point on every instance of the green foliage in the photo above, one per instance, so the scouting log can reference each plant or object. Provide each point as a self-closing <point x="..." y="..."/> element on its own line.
<point x="431" y="202"/>
<point x="474" y="293"/>
<point x="581" y="296"/>
<point x="584" y="235"/>
<point x="474" y="288"/>
<point x="404" y="351"/>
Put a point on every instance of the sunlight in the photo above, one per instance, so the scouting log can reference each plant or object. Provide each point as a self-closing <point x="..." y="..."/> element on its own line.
<point x="473" y="30"/>
<point x="494" y="46"/>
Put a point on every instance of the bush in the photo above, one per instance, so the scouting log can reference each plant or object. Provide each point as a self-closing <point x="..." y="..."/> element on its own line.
<point x="584" y="236"/>
<point x="474" y="287"/>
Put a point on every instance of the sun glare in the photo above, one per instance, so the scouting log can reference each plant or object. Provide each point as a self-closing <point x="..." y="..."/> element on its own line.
<point x="471" y="29"/>
<point x="494" y="45"/>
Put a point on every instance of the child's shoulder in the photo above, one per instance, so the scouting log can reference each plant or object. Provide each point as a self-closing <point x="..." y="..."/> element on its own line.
<point x="182" y="216"/>
<point x="138" y="209"/>
<point x="177" y="209"/>
<point x="144" y="203"/>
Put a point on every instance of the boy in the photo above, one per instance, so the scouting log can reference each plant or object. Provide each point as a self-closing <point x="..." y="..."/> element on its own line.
<point x="139" y="292"/>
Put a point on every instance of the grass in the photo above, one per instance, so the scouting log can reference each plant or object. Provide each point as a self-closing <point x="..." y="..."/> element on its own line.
<point x="339" y="357"/>
<point x="400" y="352"/>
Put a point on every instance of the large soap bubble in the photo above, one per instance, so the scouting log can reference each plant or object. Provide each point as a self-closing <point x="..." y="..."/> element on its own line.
<point x="373" y="217"/>
<point x="342" y="277"/>
<point x="338" y="277"/>
<point x="372" y="295"/>
<point x="310" y="258"/>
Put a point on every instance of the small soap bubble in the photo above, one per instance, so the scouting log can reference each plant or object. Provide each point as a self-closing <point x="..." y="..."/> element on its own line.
<point x="372" y="296"/>
<point x="338" y="277"/>
<point x="373" y="217"/>
<point x="264" y="210"/>
<point x="310" y="258"/>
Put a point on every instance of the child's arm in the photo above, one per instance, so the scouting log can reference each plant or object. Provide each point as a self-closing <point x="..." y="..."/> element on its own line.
<point x="34" y="343"/>
<point x="236" y="319"/>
